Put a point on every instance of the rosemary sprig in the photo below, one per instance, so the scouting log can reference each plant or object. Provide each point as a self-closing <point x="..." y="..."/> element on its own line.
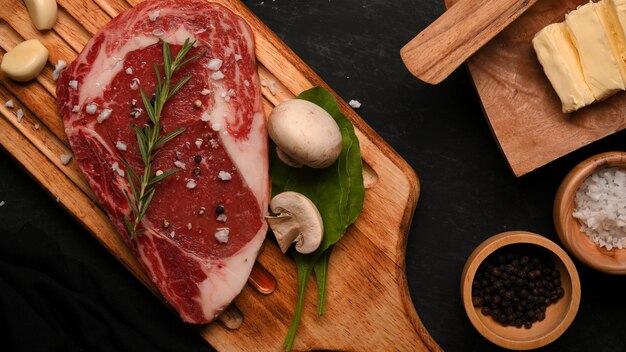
<point x="149" y="137"/>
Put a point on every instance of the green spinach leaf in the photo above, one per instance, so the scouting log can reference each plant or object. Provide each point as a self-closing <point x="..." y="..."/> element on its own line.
<point x="338" y="193"/>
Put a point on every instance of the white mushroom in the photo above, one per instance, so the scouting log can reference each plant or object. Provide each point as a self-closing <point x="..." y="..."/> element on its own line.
<point x="305" y="134"/>
<point x="296" y="220"/>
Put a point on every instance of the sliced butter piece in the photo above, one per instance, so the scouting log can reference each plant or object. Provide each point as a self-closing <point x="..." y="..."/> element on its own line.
<point x="25" y="60"/>
<point x="560" y="62"/>
<point x="620" y="9"/>
<point x="614" y="32"/>
<point x="599" y="66"/>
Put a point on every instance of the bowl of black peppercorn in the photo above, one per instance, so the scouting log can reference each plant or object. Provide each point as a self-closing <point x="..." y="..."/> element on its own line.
<point x="520" y="290"/>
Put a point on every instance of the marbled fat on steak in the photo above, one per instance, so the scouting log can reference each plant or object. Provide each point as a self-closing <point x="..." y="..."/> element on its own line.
<point x="198" y="257"/>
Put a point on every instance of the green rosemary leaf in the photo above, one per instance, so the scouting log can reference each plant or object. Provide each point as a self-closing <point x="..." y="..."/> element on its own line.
<point x="183" y="52"/>
<point x="148" y="171"/>
<point x="169" y="137"/>
<point x="129" y="227"/>
<point x="158" y="75"/>
<point x="147" y="105"/>
<point x="146" y="202"/>
<point x="130" y="202"/>
<point x="133" y="188"/>
<point x="141" y="143"/>
<point x="191" y="58"/>
<point x="178" y="86"/>
<point x="162" y="176"/>
<point x="129" y="170"/>
<point x="167" y="60"/>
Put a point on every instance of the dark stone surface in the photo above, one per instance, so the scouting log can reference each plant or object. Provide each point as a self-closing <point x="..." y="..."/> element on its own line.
<point x="468" y="192"/>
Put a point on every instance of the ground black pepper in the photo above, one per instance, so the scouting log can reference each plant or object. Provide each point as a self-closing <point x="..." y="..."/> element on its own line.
<point x="219" y="209"/>
<point x="515" y="285"/>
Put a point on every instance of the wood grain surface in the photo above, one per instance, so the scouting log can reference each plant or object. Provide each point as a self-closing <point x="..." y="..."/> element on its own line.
<point x="368" y="304"/>
<point x="522" y="109"/>
<point x="444" y="45"/>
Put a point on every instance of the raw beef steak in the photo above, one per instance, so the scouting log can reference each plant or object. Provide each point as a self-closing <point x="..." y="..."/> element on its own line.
<point x="205" y="225"/>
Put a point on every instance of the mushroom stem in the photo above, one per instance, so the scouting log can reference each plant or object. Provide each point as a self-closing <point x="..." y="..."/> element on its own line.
<point x="295" y="219"/>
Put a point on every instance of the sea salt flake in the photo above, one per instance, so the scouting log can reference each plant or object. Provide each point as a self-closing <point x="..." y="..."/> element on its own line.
<point x="205" y="117"/>
<point x="91" y="109"/>
<point x="221" y="234"/>
<point x="58" y="68"/>
<point x="19" y="115"/>
<point x="76" y="108"/>
<point x="121" y="146"/>
<point x="222" y="218"/>
<point x="153" y="15"/>
<point x="105" y="114"/>
<point x="129" y="71"/>
<point x="134" y="84"/>
<point x="65" y="158"/>
<point x="2" y="203"/>
<point x="198" y="142"/>
<point x="214" y="64"/>
<point x="355" y="104"/>
<point x="246" y="83"/>
<point x="205" y="91"/>
<point x="116" y="167"/>
<point x="191" y="184"/>
<point x="237" y="57"/>
<point x="216" y="126"/>
<point x="217" y="75"/>
<point x="73" y="84"/>
<point x="9" y="104"/>
<point x="180" y="164"/>
<point x="224" y="176"/>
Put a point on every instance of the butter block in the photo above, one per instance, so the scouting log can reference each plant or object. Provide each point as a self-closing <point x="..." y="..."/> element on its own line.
<point x="620" y="9"/>
<point x="599" y="66"/>
<point x="608" y="16"/>
<point x="560" y="62"/>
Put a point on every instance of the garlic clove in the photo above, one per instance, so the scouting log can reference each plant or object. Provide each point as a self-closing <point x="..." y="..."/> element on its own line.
<point x="25" y="61"/>
<point x="43" y="13"/>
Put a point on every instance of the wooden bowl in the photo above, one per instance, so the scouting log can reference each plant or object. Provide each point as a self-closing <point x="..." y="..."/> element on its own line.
<point x="609" y="261"/>
<point x="559" y="315"/>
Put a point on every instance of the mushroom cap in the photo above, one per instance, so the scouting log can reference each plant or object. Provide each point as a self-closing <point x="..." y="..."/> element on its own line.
<point x="297" y="220"/>
<point x="305" y="134"/>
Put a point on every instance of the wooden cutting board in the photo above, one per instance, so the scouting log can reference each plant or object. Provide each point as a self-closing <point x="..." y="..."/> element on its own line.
<point x="522" y="109"/>
<point x="368" y="304"/>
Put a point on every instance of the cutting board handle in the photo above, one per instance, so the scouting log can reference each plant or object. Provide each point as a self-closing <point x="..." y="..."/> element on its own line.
<point x="468" y="25"/>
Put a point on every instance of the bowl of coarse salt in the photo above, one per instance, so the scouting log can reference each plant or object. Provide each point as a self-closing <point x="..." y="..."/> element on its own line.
<point x="590" y="212"/>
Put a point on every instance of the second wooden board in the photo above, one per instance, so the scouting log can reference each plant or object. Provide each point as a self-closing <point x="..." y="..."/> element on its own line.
<point x="522" y="109"/>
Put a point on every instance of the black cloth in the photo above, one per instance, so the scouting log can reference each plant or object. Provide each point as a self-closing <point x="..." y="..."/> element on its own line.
<point x="52" y="302"/>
